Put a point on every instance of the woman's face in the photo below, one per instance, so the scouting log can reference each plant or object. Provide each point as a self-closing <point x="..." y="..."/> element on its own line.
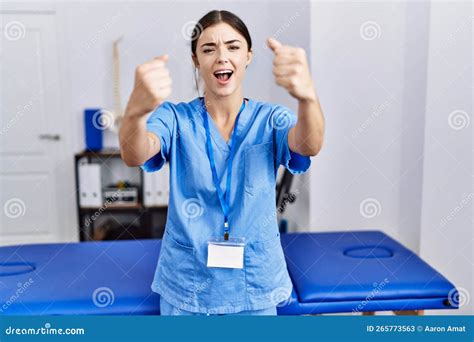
<point x="221" y="57"/>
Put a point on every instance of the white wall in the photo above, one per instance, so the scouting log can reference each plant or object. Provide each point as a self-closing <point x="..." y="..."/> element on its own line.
<point x="387" y="101"/>
<point x="359" y="53"/>
<point x="447" y="229"/>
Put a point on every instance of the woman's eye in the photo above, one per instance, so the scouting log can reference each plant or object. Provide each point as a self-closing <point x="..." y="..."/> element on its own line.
<point x="207" y="50"/>
<point x="234" y="47"/>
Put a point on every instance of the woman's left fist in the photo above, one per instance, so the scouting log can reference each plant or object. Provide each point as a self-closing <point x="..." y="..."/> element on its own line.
<point x="291" y="70"/>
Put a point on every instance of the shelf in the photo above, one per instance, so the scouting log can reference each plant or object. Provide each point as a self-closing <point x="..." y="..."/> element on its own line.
<point x="124" y="207"/>
<point x="150" y="218"/>
<point x="102" y="153"/>
<point x="135" y="206"/>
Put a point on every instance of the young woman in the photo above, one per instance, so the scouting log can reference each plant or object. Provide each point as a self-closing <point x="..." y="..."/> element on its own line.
<point x="221" y="251"/>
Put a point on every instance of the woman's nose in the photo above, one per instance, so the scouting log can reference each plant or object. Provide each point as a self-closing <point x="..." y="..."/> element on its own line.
<point x="222" y="56"/>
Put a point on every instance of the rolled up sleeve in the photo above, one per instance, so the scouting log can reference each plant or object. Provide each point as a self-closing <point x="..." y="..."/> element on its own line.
<point x="161" y="123"/>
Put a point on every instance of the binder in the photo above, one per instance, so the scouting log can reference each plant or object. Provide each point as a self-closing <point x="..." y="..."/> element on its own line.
<point x="148" y="194"/>
<point x="90" y="185"/>
<point x="162" y="190"/>
<point x="156" y="187"/>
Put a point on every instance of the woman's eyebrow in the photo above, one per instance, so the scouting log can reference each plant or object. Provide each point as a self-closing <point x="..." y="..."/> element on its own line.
<point x="227" y="42"/>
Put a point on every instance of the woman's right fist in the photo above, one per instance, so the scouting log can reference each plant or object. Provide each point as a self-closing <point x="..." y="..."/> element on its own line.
<point x="152" y="86"/>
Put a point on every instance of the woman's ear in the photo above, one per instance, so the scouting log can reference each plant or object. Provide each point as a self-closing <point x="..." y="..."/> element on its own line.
<point x="195" y="61"/>
<point x="249" y="57"/>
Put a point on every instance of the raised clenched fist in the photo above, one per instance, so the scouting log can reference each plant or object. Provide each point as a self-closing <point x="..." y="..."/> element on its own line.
<point x="291" y="70"/>
<point x="152" y="86"/>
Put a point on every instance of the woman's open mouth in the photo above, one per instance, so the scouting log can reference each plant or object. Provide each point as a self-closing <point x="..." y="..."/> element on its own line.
<point x="223" y="76"/>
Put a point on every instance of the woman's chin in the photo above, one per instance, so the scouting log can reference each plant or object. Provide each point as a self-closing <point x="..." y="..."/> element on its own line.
<point x="219" y="89"/>
<point x="223" y="91"/>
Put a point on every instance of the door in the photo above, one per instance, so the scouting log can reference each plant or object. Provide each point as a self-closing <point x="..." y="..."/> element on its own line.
<point x="33" y="153"/>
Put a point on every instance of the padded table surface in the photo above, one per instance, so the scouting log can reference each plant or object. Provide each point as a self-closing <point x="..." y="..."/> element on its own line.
<point x="79" y="278"/>
<point x="331" y="272"/>
<point x="359" y="271"/>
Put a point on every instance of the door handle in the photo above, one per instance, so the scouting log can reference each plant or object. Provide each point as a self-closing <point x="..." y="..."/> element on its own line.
<point x="49" y="137"/>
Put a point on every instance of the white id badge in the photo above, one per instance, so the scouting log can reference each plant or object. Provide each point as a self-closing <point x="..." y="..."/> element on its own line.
<point x="225" y="253"/>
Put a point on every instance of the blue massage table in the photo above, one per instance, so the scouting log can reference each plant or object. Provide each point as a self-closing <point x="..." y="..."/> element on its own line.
<point x="360" y="271"/>
<point x="353" y="271"/>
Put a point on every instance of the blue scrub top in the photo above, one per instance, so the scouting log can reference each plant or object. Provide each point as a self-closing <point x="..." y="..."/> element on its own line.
<point x="195" y="214"/>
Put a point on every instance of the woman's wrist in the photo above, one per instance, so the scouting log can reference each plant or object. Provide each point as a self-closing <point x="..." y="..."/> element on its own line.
<point x="135" y="112"/>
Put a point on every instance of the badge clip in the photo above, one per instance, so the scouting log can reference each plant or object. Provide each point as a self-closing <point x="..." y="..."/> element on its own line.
<point x="226" y="232"/>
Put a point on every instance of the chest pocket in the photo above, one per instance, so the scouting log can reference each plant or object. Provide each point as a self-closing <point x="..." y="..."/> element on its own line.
<point x="259" y="163"/>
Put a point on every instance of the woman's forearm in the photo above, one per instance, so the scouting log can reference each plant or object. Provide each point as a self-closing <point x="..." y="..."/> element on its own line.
<point x="306" y="138"/>
<point x="152" y="86"/>
<point x="134" y="141"/>
<point x="291" y="70"/>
